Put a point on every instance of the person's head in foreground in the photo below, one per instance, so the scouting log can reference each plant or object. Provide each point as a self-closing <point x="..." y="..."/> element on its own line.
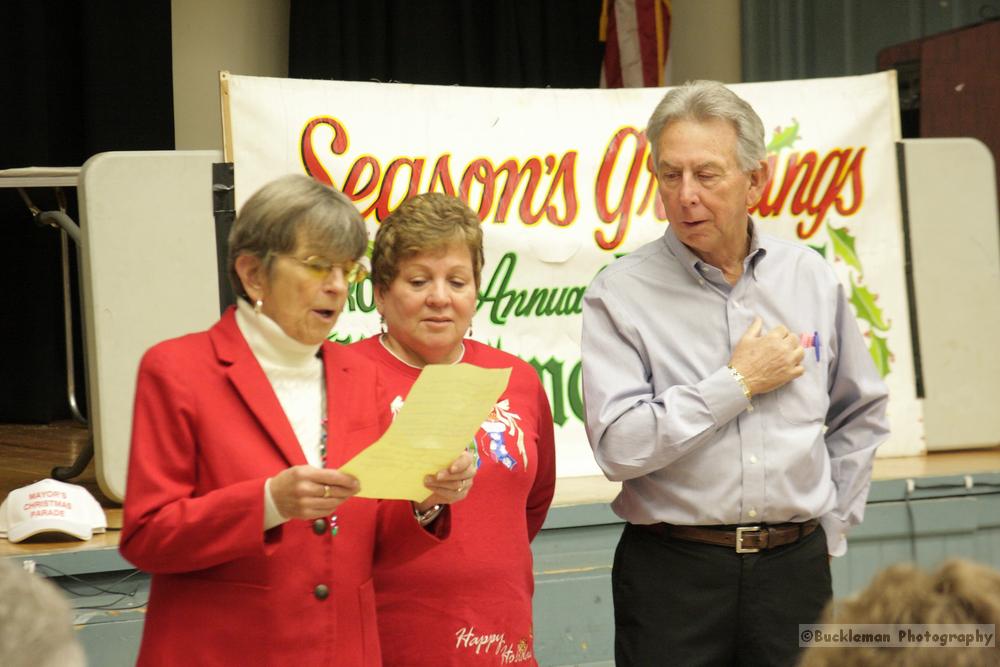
<point x="36" y="625"/>
<point x="958" y="592"/>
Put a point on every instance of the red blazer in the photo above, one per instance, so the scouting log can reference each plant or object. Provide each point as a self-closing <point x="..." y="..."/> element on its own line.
<point x="207" y="432"/>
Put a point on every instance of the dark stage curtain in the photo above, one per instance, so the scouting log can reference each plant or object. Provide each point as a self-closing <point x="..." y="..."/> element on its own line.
<point x="78" y="78"/>
<point x="501" y="43"/>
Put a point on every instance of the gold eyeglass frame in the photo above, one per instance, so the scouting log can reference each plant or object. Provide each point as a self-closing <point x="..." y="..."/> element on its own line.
<point x="320" y="267"/>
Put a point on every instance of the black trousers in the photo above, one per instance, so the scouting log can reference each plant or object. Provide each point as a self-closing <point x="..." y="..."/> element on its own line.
<point x="686" y="603"/>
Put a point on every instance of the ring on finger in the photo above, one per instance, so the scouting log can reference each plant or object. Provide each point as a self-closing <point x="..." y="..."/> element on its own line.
<point x="326" y="491"/>
<point x="461" y="487"/>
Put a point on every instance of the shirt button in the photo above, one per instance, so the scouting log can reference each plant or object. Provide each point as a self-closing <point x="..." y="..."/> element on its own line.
<point x="752" y="513"/>
<point x="701" y="281"/>
<point x="753" y="458"/>
<point x="322" y="592"/>
<point x="319" y="526"/>
<point x="736" y="304"/>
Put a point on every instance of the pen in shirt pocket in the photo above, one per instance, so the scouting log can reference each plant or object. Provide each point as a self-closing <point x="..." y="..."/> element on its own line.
<point x="811" y="340"/>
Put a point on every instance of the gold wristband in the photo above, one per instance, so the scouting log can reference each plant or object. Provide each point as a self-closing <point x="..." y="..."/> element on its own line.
<point x="743" y="385"/>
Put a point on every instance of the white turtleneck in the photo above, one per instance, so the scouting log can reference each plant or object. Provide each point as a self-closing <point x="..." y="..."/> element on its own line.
<point x="296" y="375"/>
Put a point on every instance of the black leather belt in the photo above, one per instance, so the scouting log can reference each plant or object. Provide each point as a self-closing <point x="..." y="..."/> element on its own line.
<point x="744" y="539"/>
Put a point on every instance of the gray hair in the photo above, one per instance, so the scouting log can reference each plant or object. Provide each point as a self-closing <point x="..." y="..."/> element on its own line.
<point x="36" y="624"/>
<point x="290" y="208"/>
<point x="706" y="100"/>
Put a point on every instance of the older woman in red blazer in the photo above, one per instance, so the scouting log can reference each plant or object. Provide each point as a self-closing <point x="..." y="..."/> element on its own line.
<point x="259" y="553"/>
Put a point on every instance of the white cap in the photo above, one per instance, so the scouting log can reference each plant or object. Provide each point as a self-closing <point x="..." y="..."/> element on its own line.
<point x="50" y="506"/>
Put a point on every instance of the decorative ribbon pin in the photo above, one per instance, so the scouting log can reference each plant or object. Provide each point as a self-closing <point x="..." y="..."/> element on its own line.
<point x="811" y="340"/>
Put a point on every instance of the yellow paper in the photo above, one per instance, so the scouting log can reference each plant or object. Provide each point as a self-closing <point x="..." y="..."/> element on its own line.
<point x="442" y="412"/>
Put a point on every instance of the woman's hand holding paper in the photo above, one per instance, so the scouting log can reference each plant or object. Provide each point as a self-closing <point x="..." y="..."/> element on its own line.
<point x="307" y="492"/>
<point x="450" y="485"/>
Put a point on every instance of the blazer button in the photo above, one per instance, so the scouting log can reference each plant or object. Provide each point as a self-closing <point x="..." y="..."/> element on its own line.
<point x="319" y="526"/>
<point x="322" y="592"/>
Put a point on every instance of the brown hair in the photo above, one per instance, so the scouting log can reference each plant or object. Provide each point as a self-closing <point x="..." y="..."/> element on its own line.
<point x="275" y="217"/>
<point x="427" y="222"/>
<point x="957" y="592"/>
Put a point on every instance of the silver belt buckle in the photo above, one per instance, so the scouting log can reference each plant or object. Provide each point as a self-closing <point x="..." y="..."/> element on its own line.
<point x="740" y="531"/>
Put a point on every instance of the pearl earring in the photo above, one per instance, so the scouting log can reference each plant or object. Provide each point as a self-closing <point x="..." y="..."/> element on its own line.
<point x="257" y="306"/>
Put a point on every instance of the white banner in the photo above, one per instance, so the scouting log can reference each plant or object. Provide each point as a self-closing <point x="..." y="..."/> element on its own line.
<point x="561" y="180"/>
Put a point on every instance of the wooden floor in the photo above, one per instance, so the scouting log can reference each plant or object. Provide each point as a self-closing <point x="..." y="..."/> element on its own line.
<point x="29" y="452"/>
<point x="583" y="490"/>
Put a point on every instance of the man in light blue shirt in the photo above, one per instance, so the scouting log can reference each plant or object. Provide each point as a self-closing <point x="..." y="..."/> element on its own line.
<point x="727" y="386"/>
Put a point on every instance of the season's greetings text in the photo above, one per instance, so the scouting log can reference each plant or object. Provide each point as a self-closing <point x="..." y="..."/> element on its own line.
<point x="535" y="190"/>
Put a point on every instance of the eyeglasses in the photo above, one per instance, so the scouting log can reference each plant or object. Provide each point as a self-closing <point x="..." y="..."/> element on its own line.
<point x="320" y="268"/>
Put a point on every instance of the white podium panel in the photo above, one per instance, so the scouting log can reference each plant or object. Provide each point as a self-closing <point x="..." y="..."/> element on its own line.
<point x="955" y="241"/>
<point x="148" y="273"/>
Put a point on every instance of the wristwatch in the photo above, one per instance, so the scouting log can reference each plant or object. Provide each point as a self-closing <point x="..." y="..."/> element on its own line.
<point x="428" y="515"/>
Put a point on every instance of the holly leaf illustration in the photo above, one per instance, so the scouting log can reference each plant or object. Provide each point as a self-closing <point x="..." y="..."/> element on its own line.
<point x="821" y="249"/>
<point x="784" y="138"/>
<point x="881" y="355"/>
<point x="342" y="339"/>
<point x="864" y="305"/>
<point x="843" y="246"/>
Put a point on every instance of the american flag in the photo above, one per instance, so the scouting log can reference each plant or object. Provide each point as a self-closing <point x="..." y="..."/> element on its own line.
<point x="637" y="36"/>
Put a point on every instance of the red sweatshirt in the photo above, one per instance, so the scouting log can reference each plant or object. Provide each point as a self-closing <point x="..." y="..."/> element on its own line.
<point x="468" y="601"/>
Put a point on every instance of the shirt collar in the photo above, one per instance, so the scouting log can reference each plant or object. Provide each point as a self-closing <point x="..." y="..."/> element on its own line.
<point x="757" y="251"/>
<point x="692" y="263"/>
